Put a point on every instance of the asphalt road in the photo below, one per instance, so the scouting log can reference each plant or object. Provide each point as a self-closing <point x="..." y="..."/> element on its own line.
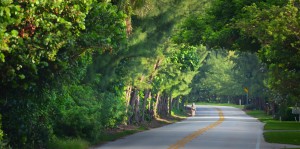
<point x="213" y="127"/>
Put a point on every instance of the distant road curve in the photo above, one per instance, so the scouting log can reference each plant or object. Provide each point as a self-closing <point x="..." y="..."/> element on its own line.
<point x="213" y="127"/>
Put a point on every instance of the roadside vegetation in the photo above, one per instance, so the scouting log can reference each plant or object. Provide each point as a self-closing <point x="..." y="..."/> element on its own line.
<point x="276" y="131"/>
<point x="72" y="70"/>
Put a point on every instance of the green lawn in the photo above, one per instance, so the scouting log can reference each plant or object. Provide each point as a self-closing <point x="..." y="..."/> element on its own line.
<point x="284" y="125"/>
<point x="283" y="137"/>
<point x="261" y="115"/>
<point x="272" y="124"/>
<point x="221" y="104"/>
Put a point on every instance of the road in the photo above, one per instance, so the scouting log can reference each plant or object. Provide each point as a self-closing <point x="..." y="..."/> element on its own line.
<point x="213" y="127"/>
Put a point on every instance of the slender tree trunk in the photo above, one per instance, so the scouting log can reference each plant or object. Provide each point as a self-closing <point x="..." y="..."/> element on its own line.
<point x="155" y="108"/>
<point x="146" y="96"/>
<point x="132" y="105"/>
<point x="178" y="103"/>
<point x="150" y="101"/>
<point x="128" y="96"/>
<point x="164" y="106"/>
<point x="137" y="108"/>
<point x="170" y="99"/>
<point x="160" y="105"/>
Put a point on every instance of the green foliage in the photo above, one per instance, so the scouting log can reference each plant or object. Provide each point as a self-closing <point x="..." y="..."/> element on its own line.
<point x="45" y="50"/>
<point x="83" y="112"/>
<point x="27" y="122"/>
<point x="223" y="76"/>
<point x="106" y="37"/>
<point x="112" y="110"/>
<point x="32" y="35"/>
<point x="250" y="107"/>
<point x="268" y="28"/>
<point x="285" y="113"/>
<point x="68" y="143"/>
<point x="178" y="69"/>
<point x="105" y="29"/>
<point x="279" y="43"/>
<point x="179" y="113"/>
<point x="65" y="64"/>
<point x="1" y="131"/>
<point x="2" y="141"/>
<point x="77" y="113"/>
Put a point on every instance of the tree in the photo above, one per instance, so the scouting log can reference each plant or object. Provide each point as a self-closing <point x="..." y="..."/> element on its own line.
<point x="32" y="34"/>
<point x="267" y="28"/>
<point x="277" y="30"/>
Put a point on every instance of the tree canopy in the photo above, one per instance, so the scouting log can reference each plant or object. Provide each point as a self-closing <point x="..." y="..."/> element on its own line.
<point x="74" y="69"/>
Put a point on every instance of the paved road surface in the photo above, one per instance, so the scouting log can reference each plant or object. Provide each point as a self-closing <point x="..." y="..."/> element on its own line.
<point x="213" y="127"/>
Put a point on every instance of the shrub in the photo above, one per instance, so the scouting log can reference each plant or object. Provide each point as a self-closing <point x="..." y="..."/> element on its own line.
<point x="1" y="132"/>
<point x="250" y="107"/>
<point x="27" y="121"/>
<point x="82" y="112"/>
<point x="286" y="114"/>
<point x="77" y="113"/>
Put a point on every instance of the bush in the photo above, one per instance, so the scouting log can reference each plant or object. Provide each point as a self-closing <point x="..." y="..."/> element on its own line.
<point x="286" y="114"/>
<point x="250" y="107"/>
<point x="1" y="132"/>
<point x="81" y="112"/>
<point x="77" y="113"/>
<point x="2" y="144"/>
<point x="113" y="109"/>
<point x="27" y="122"/>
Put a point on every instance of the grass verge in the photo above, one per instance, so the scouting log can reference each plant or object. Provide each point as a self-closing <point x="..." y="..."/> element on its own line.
<point x="283" y="137"/>
<point x="221" y="104"/>
<point x="59" y="143"/>
<point x="261" y="115"/>
<point x="284" y="125"/>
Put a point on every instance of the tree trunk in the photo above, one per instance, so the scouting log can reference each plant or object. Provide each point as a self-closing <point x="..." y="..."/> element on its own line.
<point x="178" y="104"/>
<point x="146" y="96"/>
<point x="128" y="96"/>
<point x="164" y="106"/>
<point x="150" y="102"/>
<point x="132" y="105"/>
<point x="137" y="108"/>
<point x="155" y="108"/>
<point x="170" y="99"/>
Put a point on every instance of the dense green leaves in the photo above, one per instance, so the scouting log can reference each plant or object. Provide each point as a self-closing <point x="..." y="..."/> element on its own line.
<point x="75" y="68"/>
<point x="268" y="28"/>
<point x="32" y="34"/>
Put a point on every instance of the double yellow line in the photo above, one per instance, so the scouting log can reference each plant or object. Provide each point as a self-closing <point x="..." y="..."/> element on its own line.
<point x="181" y="143"/>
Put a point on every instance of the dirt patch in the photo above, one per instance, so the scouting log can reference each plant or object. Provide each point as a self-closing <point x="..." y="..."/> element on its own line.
<point x="159" y="122"/>
<point x="155" y="123"/>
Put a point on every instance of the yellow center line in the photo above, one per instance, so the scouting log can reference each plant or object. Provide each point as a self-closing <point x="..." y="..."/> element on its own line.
<point x="181" y="143"/>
